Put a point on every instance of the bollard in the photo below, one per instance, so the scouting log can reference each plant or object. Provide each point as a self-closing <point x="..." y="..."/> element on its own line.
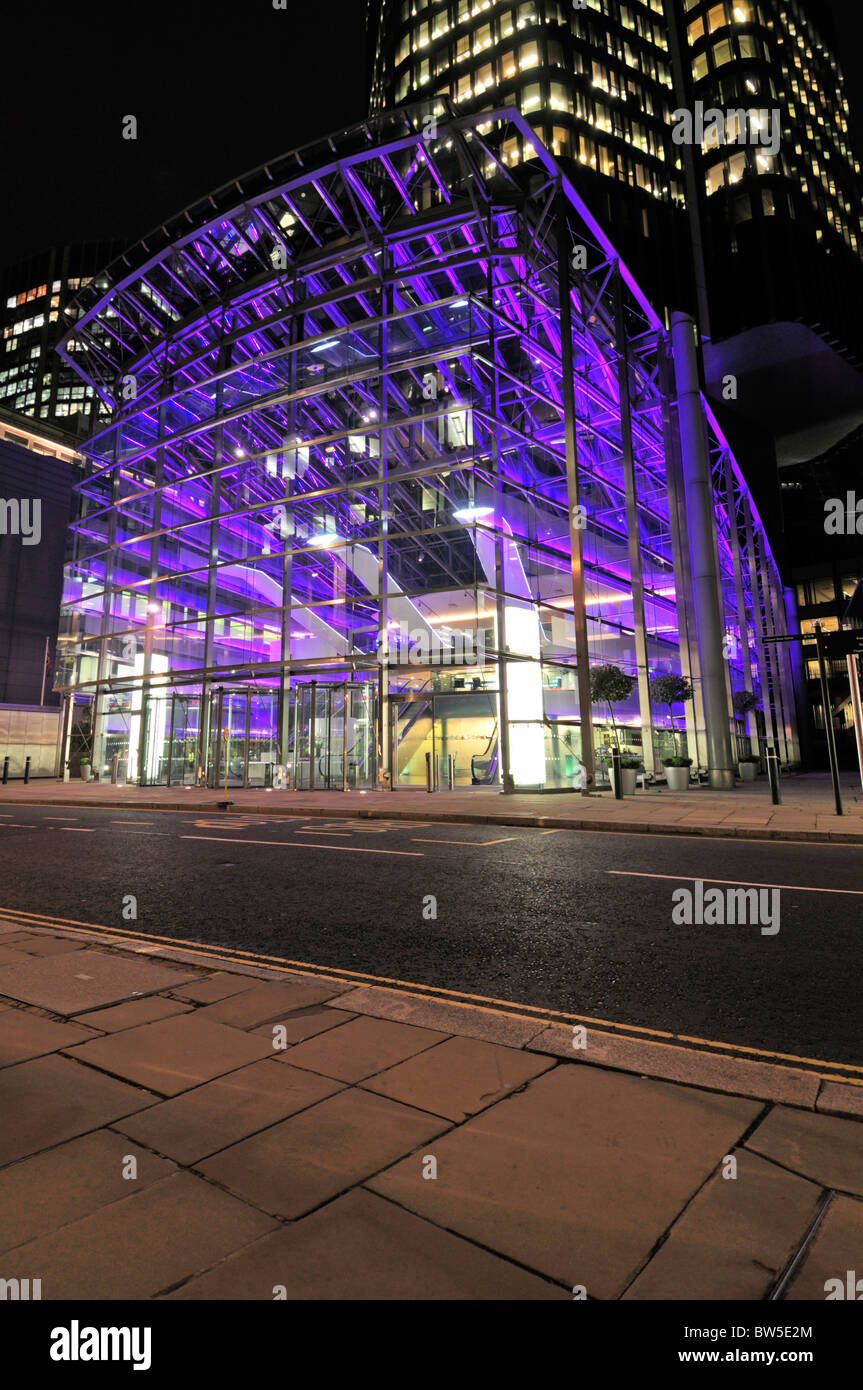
<point x="115" y="769"/>
<point x="26" y="771"/>
<point x="450" y="772"/>
<point x="773" y="774"/>
<point x="615" y="774"/>
<point x="428" y="772"/>
<point x="5" y="771"/>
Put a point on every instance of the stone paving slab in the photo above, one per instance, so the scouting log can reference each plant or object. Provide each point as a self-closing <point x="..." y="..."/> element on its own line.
<point x="10" y="956"/>
<point x="215" y="1116"/>
<point x="45" y="946"/>
<point x="78" y="982"/>
<point x="268" y="1003"/>
<point x="295" y="1166"/>
<point x="174" y="1054"/>
<point x="132" y="1015"/>
<point x="822" y="1147"/>
<point x="24" y="1035"/>
<point x="458" y="1078"/>
<point x="362" y="1247"/>
<point x="835" y="1253"/>
<point x="143" y="1245"/>
<point x="301" y="1024"/>
<point x="212" y="988"/>
<point x="438" y="1014"/>
<point x="55" y="1098"/>
<point x="760" y="1080"/>
<point x="578" y="1176"/>
<point x="563" y="1174"/>
<point x="63" y="1184"/>
<point x="762" y="1213"/>
<point x="361" y="1048"/>
<point x="836" y="1099"/>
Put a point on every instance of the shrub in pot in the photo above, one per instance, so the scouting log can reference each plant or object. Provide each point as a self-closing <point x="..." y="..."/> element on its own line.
<point x="629" y="775"/>
<point x="677" y="773"/>
<point x="749" y="767"/>
<point x="85" y="769"/>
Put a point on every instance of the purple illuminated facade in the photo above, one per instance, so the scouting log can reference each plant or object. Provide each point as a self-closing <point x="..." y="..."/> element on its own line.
<point x="397" y="454"/>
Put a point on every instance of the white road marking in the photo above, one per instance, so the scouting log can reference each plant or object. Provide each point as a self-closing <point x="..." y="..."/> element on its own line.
<point x="345" y="834"/>
<point x="736" y="882"/>
<point x="131" y="822"/>
<point x="471" y="844"/>
<point x="290" y="844"/>
<point x="80" y="829"/>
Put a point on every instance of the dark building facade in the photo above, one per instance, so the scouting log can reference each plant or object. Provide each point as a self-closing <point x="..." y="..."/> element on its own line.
<point x="36" y="311"/>
<point x="38" y="470"/>
<point x="773" y="192"/>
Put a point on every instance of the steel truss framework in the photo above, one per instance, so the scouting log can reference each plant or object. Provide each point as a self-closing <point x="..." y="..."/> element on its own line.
<point x="380" y="404"/>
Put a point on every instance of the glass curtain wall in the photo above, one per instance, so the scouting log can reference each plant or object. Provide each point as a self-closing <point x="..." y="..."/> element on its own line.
<point x="355" y="521"/>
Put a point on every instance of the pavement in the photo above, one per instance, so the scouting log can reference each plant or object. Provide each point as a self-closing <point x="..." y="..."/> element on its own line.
<point x="186" y="1123"/>
<point x="807" y="811"/>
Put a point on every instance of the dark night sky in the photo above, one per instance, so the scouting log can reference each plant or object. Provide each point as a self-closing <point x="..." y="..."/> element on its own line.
<point x="217" y="90"/>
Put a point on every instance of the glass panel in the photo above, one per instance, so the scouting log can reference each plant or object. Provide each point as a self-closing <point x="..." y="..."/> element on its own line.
<point x="413" y="739"/>
<point x="184" y="743"/>
<point x="263" y="733"/>
<point x="361" y="745"/>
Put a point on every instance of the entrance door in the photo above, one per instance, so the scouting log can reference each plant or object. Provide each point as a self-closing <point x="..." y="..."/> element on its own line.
<point x="334" y="737"/>
<point x="229" y="739"/>
<point x="185" y="725"/>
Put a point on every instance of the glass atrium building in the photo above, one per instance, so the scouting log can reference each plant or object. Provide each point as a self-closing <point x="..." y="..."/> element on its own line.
<point x="398" y="454"/>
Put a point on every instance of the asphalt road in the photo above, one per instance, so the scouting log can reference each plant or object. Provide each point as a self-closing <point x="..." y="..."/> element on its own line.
<point x="569" y="920"/>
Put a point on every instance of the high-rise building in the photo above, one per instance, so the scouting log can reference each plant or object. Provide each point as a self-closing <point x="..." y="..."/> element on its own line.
<point x="628" y="90"/>
<point x="36" y="311"/>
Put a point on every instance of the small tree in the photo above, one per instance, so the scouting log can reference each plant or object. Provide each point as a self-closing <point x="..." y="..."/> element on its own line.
<point x="744" y="701"/>
<point x="671" y="690"/>
<point x="609" y="686"/>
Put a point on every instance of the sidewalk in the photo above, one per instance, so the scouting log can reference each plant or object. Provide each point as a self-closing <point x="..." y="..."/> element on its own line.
<point x="807" y="813"/>
<point x="184" y="1125"/>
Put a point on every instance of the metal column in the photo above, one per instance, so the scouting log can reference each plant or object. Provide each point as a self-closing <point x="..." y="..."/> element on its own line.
<point x="698" y="493"/>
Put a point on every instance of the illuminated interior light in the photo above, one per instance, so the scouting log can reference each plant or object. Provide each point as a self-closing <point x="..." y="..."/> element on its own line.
<point x="469" y="514"/>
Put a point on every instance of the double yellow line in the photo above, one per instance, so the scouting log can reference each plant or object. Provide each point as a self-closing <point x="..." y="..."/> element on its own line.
<point x="653" y="1037"/>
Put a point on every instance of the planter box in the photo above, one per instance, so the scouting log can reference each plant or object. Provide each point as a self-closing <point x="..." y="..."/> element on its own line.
<point x="677" y="778"/>
<point x="86" y="772"/>
<point x="628" y="779"/>
<point x="748" y="771"/>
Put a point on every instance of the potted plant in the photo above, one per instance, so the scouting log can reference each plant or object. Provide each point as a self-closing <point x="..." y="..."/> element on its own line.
<point x="85" y="769"/>
<point x="677" y="772"/>
<point x="629" y="774"/>
<point x="749" y="767"/>
<point x="609" y="686"/>
<point x="671" y="689"/>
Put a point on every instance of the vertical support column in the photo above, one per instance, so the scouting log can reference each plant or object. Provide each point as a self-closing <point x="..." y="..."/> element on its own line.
<point x="287" y="465"/>
<point x="705" y="578"/>
<point x="734" y="500"/>
<point x="799" y="692"/>
<point x="152" y="591"/>
<point x="857" y="709"/>
<point x="686" y="644"/>
<point x="576" y="532"/>
<point x="633" y="536"/>
<point x="384" y="721"/>
<point x="207" y="693"/>
<point x="105" y="628"/>
<point x="499" y="568"/>
<point x="758" y="620"/>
